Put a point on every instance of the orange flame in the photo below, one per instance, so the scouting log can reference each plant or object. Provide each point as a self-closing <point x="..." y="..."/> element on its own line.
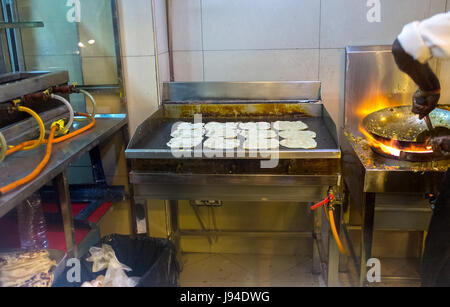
<point x="390" y="147"/>
<point x="374" y="104"/>
<point x="378" y="102"/>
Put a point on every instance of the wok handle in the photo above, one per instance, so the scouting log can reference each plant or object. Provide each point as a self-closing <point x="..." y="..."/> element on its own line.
<point x="428" y="122"/>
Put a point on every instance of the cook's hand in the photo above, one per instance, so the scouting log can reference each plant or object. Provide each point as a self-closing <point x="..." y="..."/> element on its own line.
<point x="441" y="145"/>
<point x="424" y="102"/>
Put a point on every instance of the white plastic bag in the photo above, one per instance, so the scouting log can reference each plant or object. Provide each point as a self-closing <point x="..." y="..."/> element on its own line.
<point x="105" y="258"/>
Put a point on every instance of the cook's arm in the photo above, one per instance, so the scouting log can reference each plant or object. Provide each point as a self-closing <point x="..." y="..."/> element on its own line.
<point x="422" y="74"/>
<point x="427" y="97"/>
<point x="418" y="42"/>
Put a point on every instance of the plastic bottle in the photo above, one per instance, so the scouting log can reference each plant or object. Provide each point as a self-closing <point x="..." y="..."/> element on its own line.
<point x="32" y="226"/>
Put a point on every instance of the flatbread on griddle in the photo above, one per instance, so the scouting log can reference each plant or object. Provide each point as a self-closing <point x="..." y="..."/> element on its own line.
<point x="188" y="133"/>
<point x="213" y="125"/>
<point x="187" y="126"/>
<point x="253" y="134"/>
<point x="222" y="132"/>
<point x="300" y="143"/>
<point x="294" y="134"/>
<point x="254" y="126"/>
<point x="290" y="125"/>
<point x="260" y="143"/>
<point x="231" y="125"/>
<point x="221" y="143"/>
<point x="184" y="143"/>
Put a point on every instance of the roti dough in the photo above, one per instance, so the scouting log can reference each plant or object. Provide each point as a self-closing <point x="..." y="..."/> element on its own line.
<point x="290" y="125"/>
<point x="221" y="143"/>
<point x="297" y="134"/>
<point x="262" y="134"/>
<point x="188" y="133"/>
<point x="256" y="144"/>
<point x="184" y="143"/>
<point x="223" y="132"/>
<point x="187" y="126"/>
<point x="213" y="125"/>
<point x="304" y="143"/>
<point x="254" y="126"/>
<point x="231" y="125"/>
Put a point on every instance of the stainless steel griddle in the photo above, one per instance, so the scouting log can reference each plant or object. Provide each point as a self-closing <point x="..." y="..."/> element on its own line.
<point x="298" y="175"/>
<point x="150" y="141"/>
<point x="159" y="172"/>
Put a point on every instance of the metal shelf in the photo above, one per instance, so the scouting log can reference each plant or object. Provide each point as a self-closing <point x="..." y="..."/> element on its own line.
<point x="21" y="25"/>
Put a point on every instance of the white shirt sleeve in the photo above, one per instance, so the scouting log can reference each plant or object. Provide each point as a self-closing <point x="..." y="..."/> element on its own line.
<point x="428" y="38"/>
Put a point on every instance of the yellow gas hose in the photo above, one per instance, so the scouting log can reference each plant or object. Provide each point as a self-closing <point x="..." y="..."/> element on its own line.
<point x="3" y="147"/>
<point x="36" y="171"/>
<point x="41" y="128"/>
<point x="50" y="141"/>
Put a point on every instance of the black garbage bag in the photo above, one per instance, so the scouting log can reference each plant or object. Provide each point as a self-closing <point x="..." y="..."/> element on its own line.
<point x="152" y="259"/>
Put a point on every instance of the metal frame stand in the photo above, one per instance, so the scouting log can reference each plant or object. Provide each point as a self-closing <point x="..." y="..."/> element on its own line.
<point x="133" y="205"/>
<point x="62" y="188"/>
<point x="325" y="258"/>
<point x="96" y="194"/>
<point x="367" y="228"/>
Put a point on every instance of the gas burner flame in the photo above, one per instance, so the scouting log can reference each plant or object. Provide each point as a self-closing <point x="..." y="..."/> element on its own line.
<point x="373" y="103"/>
<point x="390" y="147"/>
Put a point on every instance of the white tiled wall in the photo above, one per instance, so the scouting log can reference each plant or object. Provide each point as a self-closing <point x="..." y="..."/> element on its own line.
<point x="161" y="26"/>
<point x="261" y="40"/>
<point x="136" y="27"/>
<point x="188" y="65"/>
<point x="331" y="73"/>
<point x="138" y="59"/>
<point x="186" y="25"/>
<point x="260" y="24"/>
<point x="346" y="24"/>
<point x="261" y="65"/>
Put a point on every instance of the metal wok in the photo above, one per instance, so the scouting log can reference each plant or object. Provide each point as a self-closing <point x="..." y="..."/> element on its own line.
<point x="400" y="124"/>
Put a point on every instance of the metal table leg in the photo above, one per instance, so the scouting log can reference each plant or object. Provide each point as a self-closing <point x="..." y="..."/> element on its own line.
<point x="62" y="188"/>
<point x="345" y="219"/>
<point x="133" y="205"/>
<point x="317" y="242"/>
<point x="98" y="173"/>
<point x="174" y="224"/>
<point x="368" y="214"/>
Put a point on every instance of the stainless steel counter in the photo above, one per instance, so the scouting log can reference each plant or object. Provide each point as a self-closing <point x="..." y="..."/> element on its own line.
<point x="65" y="153"/>
<point x="372" y="173"/>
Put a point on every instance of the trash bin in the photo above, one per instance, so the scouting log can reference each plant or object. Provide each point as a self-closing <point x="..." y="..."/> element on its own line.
<point x="152" y="259"/>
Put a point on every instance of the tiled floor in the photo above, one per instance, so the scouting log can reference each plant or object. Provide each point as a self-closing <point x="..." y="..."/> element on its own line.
<point x="231" y="270"/>
<point x="244" y="270"/>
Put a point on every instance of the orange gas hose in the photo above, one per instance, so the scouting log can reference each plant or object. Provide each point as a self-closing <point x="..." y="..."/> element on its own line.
<point x="55" y="141"/>
<point x="36" y="171"/>
<point x="335" y="234"/>
<point x="326" y="213"/>
<point x="76" y="132"/>
<point x="51" y="140"/>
